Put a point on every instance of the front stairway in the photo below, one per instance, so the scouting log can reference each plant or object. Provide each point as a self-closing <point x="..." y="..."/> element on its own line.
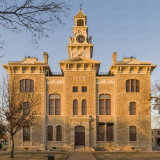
<point x="79" y="148"/>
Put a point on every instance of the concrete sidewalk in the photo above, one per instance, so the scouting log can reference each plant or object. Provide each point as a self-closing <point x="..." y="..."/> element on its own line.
<point x="80" y="156"/>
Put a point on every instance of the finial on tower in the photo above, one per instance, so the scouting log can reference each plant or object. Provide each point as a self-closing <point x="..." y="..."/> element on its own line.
<point x="80" y="5"/>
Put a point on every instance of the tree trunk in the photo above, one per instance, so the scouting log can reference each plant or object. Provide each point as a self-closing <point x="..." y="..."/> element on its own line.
<point x="12" y="147"/>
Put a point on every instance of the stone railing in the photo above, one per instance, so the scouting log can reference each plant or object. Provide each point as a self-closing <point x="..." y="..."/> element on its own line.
<point x="104" y="74"/>
<point x="57" y="73"/>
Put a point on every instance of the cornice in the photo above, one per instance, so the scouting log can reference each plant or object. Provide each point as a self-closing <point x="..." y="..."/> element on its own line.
<point x="132" y="68"/>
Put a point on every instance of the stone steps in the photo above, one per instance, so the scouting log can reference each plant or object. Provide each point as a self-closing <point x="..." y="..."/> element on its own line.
<point x="79" y="148"/>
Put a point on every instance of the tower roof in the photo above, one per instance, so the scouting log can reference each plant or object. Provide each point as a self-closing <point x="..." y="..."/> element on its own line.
<point x="80" y="14"/>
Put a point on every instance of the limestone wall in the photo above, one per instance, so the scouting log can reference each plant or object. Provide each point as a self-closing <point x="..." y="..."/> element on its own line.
<point x="142" y="119"/>
<point x="115" y="86"/>
<point x="37" y="130"/>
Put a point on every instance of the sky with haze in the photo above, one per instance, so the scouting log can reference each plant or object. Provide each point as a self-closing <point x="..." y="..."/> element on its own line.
<point x="130" y="28"/>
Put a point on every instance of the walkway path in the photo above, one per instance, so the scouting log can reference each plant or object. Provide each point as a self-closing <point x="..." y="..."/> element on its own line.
<point x="80" y="156"/>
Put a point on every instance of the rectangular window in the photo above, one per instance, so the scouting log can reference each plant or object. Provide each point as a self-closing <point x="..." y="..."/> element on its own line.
<point x="158" y="132"/>
<point x="132" y="108"/>
<point x="51" y="107"/>
<point x="128" y="86"/>
<point x="109" y="132"/>
<point x="137" y="86"/>
<point x="101" y="106"/>
<point x="58" y="107"/>
<point x="84" y="89"/>
<point x="22" y="85"/>
<point x="75" y="107"/>
<point x="132" y="133"/>
<point x="50" y="133"/>
<point x="31" y="86"/>
<point x="26" y="133"/>
<point x="26" y="108"/>
<point x="100" y="132"/>
<point x="108" y="107"/>
<point x="84" y="107"/>
<point x="75" y="89"/>
<point x="26" y="85"/>
<point x="59" y="133"/>
<point x="132" y="85"/>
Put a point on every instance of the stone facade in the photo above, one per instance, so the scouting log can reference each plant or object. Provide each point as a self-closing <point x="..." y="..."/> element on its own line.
<point x="80" y="70"/>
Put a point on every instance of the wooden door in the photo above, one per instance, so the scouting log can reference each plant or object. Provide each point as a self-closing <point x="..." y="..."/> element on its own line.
<point x="79" y="138"/>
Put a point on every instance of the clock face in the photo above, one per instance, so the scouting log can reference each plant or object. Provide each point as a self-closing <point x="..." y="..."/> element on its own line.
<point x="80" y="38"/>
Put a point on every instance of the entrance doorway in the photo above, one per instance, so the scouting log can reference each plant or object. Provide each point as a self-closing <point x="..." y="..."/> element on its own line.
<point x="79" y="135"/>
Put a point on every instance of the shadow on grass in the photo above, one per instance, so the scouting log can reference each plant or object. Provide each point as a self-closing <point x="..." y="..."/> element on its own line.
<point x="32" y="155"/>
<point x="127" y="155"/>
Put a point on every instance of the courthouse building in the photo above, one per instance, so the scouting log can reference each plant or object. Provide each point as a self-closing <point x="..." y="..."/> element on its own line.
<point x="81" y="106"/>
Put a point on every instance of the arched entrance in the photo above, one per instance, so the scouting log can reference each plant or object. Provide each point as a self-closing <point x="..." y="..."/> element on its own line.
<point x="79" y="135"/>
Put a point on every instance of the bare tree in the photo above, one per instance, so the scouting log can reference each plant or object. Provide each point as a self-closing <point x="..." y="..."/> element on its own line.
<point x="17" y="108"/>
<point x="155" y="103"/>
<point x="2" y="130"/>
<point x="36" y="16"/>
<point x="155" y="96"/>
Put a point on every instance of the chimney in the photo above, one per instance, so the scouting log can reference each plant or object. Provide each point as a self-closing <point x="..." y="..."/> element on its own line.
<point x="114" y="58"/>
<point x="45" y="57"/>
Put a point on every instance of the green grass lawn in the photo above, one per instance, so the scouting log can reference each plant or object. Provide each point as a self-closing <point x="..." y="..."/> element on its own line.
<point x="127" y="155"/>
<point x="33" y="155"/>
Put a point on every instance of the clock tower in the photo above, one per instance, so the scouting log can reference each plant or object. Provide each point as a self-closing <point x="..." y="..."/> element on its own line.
<point x="80" y="44"/>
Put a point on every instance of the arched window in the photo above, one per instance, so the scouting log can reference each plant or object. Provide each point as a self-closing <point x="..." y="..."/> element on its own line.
<point x="59" y="133"/>
<point x="80" y="22"/>
<point x="26" y="85"/>
<point x="132" y="85"/>
<point x="75" y="107"/>
<point x="105" y="104"/>
<point x="132" y="108"/>
<point x="54" y="104"/>
<point x="132" y="132"/>
<point x="50" y="133"/>
<point x="84" y="107"/>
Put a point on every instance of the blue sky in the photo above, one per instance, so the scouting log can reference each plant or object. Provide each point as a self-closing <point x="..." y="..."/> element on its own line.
<point x="130" y="28"/>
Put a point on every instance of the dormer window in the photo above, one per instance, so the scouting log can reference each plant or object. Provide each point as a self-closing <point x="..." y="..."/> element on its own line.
<point x="80" y="22"/>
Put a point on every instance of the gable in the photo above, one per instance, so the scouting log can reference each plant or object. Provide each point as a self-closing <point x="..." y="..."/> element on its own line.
<point x="134" y="61"/>
<point x="80" y="59"/>
<point x="131" y="62"/>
